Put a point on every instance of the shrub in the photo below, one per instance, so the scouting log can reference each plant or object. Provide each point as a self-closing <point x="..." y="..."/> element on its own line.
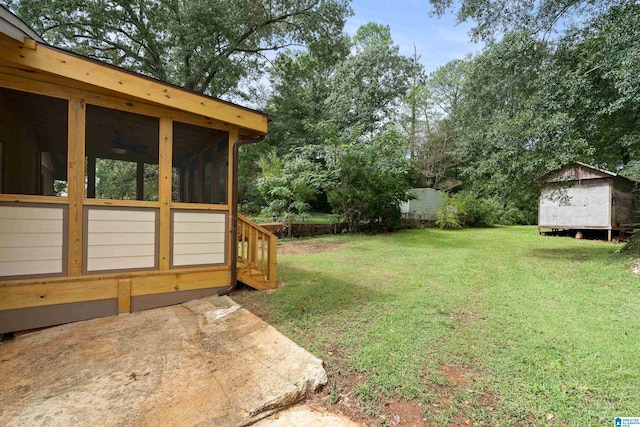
<point x="467" y="209"/>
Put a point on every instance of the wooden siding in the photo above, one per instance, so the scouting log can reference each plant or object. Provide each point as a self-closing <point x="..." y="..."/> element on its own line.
<point x="198" y="238"/>
<point x="582" y="204"/>
<point x="575" y="172"/>
<point x="120" y="239"/>
<point x="32" y="240"/>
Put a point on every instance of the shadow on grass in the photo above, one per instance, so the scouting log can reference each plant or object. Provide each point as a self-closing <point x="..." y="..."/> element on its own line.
<point x="606" y="254"/>
<point x="309" y="295"/>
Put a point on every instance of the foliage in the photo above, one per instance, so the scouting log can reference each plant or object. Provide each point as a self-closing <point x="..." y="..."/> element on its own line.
<point x="368" y="178"/>
<point x="372" y="35"/>
<point x="366" y="89"/>
<point x="206" y="46"/>
<point x="116" y="180"/>
<point x="539" y="17"/>
<point x="481" y="324"/>
<point x="333" y="111"/>
<point x="288" y="184"/>
<point x="632" y="247"/>
<point x="468" y="209"/>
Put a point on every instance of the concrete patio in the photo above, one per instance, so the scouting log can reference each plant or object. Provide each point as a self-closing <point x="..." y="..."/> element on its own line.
<point x="205" y="362"/>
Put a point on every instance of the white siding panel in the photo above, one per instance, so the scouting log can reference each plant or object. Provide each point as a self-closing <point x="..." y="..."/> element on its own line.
<point x="110" y="215"/>
<point x="198" y="259"/>
<point x="199" y="238"/>
<point x="199" y="217"/>
<point x="30" y="268"/>
<point x="121" y="226"/>
<point x="108" y="239"/>
<point x="584" y="204"/>
<point x="31" y="254"/>
<point x="121" y="239"/>
<point x="31" y="240"/>
<point x="198" y="227"/>
<point x="31" y="226"/>
<point x="197" y="248"/>
<point x="119" y="263"/>
<point x="22" y="212"/>
<point x="25" y="240"/>
<point x="118" y="251"/>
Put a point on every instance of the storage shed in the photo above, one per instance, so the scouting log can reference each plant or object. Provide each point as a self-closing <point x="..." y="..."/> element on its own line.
<point x="425" y="205"/>
<point x="78" y="241"/>
<point x="582" y="197"/>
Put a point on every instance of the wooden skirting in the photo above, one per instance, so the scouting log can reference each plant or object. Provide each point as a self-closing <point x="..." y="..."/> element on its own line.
<point x="40" y="293"/>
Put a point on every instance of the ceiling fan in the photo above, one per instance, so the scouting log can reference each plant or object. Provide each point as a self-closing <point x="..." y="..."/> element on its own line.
<point x="120" y="146"/>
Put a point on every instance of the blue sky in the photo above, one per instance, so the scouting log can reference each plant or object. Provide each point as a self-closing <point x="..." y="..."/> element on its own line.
<point x="438" y="40"/>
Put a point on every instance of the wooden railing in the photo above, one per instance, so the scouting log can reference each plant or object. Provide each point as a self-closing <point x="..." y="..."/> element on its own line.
<point x="257" y="251"/>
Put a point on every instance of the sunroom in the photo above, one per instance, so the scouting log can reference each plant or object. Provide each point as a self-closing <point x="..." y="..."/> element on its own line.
<point x="116" y="190"/>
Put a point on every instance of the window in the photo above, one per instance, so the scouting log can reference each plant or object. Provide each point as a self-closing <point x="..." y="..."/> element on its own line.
<point x="33" y="153"/>
<point x="200" y="155"/>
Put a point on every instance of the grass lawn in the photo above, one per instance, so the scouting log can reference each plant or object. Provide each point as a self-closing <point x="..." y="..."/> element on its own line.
<point x="492" y="326"/>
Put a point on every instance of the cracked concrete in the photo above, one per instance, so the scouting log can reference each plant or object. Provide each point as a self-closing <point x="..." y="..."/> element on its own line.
<point x="204" y="362"/>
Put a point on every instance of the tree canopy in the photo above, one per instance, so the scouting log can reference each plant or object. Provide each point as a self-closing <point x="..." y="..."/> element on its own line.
<point x="206" y="46"/>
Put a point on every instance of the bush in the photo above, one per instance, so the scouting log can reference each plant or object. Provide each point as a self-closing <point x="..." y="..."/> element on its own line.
<point x="632" y="247"/>
<point x="467" y="209"/>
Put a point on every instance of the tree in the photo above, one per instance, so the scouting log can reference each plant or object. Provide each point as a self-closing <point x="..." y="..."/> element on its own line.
<point x="372" y="35"/>
<point x="535" y="17"/>
<point x="433" y="104"/>
<point x="289" y="183"/>
<point x="368" y="87"/>
<point x="368" y="178"/>
<point x="206" y="46"/>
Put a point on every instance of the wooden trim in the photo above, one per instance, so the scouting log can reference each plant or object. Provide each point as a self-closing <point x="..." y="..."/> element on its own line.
<point x="57" y="62"/>
<point x="180" y="282"/>
<point x="121" y="203"/>
<point x="85" y="239"/>
<point x="57" y="293"/>
<point x="105" y="276"/>
<point x="91" y="289"/>
<point x="75" y="182"/>
<point x="24" y="198"/>
<point x="198" y="207"/>
<point x="273" y="254"/>
<point x="17" y="79"/>
<point x="165" y="172"/>
<point x="124" y="296"/>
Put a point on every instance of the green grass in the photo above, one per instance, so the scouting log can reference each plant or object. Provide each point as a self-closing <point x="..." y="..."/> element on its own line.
<point x="312" y="218"/>
<point x="544" y="329"/>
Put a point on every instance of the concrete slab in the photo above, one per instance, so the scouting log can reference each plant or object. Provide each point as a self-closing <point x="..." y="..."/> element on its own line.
<point x="304" y="415"/>
<point x="205" y="362"/>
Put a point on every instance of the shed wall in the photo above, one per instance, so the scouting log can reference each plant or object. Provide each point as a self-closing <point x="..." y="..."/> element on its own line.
<point x="425" y="206"/>
<point x="583" y="204"/>
<point x="625" y="204"/>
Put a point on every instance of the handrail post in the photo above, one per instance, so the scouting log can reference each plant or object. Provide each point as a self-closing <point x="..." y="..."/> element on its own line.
<point x="273" y="250"/>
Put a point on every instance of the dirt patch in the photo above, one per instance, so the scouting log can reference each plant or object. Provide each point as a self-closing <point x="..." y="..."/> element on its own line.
<point x="456" y="375"/>
<point x="635" y="267"/>
<point x="462" y="395"/>
<point x="307" y="248"/>
<point x="400" y="412"/>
